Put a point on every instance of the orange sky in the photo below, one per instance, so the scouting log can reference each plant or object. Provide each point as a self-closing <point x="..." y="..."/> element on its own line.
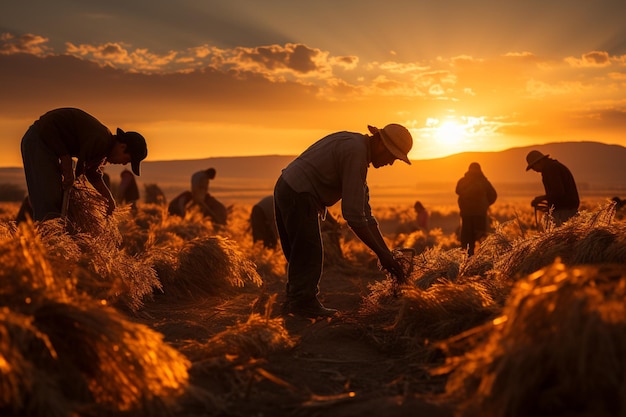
<point x="238" y="79"/>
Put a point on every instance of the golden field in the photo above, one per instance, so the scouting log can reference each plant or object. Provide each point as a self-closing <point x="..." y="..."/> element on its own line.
<point x="143" y="314"/>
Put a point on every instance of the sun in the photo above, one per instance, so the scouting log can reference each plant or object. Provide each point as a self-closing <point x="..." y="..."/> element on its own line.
<point x="449" y="133"/>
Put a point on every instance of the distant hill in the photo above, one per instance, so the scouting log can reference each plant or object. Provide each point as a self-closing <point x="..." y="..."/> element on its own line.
<point x="597" y="167"/>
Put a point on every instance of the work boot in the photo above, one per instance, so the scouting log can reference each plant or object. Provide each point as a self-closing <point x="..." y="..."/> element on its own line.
<point x="307" y="308"/>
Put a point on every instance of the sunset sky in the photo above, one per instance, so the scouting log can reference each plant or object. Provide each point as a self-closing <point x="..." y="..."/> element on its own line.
<point x="202" y="78"/>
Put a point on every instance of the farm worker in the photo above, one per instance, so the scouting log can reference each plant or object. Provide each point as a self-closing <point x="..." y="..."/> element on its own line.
<point x="332" y="169"/>
<point x="263" y="222"/>
<point x="476" y="194"/>
<point x="561" y="194"/>
<point x="422" y="216"/>
<point x="49" y="145"/>
<point x="200" y="189"/>
<point x="128" y="191"/>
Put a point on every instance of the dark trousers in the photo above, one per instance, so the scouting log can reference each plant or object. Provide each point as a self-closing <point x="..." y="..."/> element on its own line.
<point x="473" y="228"/>
<point x="43" y="176"/>
<point x="297" y="219"/>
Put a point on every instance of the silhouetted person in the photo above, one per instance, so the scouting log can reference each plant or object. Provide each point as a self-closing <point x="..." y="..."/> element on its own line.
<point x="263" y="222"/>
<point x="619" y="203"/>
<point x="332" y="169"/>
<point x="561" y="193"/>
<point x="61" y="134"/>
<point x="476" y="194"/>
<point x="178" y="206"/>
<point x="218" y="213"/>
<point x="209" y="206"/>
<point x="200" y="187"/>
<point x="128" y="191"/>
<point x="154" y="195"/>
<point x="423" y="216"/>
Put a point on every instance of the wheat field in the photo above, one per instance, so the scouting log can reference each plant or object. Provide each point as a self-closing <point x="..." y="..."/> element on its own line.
<point x="147" y="314"/>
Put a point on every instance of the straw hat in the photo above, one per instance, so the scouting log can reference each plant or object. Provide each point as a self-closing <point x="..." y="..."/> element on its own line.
<point x="397" y="139"/>
<point x="533" y="157"/>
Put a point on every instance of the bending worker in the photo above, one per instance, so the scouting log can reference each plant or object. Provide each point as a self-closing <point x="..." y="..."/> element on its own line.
<point x="332" y="169"/>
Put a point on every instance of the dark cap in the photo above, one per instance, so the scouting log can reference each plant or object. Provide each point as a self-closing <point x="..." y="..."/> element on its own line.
<point x="135" y="146"/>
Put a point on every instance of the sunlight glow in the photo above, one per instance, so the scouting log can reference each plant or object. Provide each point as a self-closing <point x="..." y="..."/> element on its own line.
<point x="450" y="133"/>
<point x="440" y="137"/>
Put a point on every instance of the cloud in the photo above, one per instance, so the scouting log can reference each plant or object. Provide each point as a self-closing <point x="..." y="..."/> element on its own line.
<point x="590" y="59"/>
<point x="254" y="84"/>
<point x="25" y="44"/>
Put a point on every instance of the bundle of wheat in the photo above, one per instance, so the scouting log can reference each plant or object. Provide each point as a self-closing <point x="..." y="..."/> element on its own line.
<point x="589" y="238"/>
<point x="258" y="337"/>
<point x="62" y="351"/>
<point x="559" y="349"/>
<point x="104" y="269"/>
<point x="87" y="210"/>
<point x="210" y="266"/>
<point x="26" y="353"/>
<point x="102" y="360"/>
<point x="444" y="310"/>
<point x="434" y="265"/>
<point x="28" y="269"/>
<point x="232" y="359"/>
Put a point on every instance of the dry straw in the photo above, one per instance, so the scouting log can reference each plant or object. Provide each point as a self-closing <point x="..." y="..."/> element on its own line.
<point x="210" y="266"/>
<point x="63" y="352"/>
<point x="559" y="348"/>
<point x="233" y="359"/>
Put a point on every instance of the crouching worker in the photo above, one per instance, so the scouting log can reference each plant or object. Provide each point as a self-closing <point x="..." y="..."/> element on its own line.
<point x="49" y="145"/>
<point x="263" y="223"/>
<point x="332" y="169"/>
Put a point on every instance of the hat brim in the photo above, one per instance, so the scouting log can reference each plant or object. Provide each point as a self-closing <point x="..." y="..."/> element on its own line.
<point x="532" y="164"/>
<point x="135" y="167"/>
<point x="393" y="148"/>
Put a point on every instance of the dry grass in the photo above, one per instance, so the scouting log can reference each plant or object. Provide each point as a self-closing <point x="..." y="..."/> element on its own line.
<point x="210" y="266"/>
<point x="558" y="348"/>
<point x="63" y="351"/>
<point x="518" y="341"/>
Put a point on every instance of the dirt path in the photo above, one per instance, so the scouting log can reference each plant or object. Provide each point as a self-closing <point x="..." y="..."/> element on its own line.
<point x="337" y="367"/>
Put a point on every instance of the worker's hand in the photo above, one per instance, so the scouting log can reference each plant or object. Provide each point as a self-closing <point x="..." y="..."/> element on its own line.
<point x="68" y="178"/>
<point x="536" y="201"/>
<point x="394" y="267"/>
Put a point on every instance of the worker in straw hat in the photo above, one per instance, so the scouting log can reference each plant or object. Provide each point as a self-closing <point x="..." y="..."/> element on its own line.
<point x="561" y="194"/>
<point x="332" y="169"/>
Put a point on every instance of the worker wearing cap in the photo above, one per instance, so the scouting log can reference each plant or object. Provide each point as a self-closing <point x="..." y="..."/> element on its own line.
<point x="49" y="145"/>
<point x="561" y="194"/>
<point x="332" y="169"/>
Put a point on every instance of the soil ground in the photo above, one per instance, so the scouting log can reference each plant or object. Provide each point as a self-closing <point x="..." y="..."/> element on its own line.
<point x="339" y="367"/>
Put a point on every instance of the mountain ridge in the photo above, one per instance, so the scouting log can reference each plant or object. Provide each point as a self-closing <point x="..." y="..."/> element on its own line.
<point x="595" y="166"/>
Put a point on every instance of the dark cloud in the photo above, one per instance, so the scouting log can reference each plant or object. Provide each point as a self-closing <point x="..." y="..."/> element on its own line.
<point x="55" y="81"/>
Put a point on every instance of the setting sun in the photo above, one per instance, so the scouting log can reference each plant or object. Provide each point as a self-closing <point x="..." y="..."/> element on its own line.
<point x="449" y="133"/>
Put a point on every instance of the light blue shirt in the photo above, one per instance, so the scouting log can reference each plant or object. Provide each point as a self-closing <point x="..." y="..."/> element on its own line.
<point x="332" y="169"/>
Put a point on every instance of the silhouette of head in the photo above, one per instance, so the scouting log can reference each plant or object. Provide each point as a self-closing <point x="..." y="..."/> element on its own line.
<point x="396" y="138"/>
<point x="533" y="157"/>
<point x="135" y="146"/>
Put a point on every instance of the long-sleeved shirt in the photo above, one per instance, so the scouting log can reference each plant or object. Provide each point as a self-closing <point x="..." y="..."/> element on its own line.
<point x="560" y="187"/>
<point x="475" y="193"/>
<point x="332" y="169"/>
<point x="73" y="132"/>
